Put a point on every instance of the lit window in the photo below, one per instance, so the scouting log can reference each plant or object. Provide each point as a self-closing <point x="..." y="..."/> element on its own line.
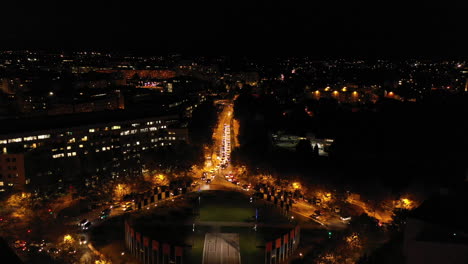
<point x="138" y="142"/>
<point x="3" y="141"/>
<point x="115" y="127"/>
<point x="144" y="130"/>
<point x="15" y="140"/>
<point x="103" y="148"/>
<point x="71" y="140"/>
<point x="43" y="136"/>
<point x="85" y="138"/>
<point x="68" y="147"/>
<point x="80" y="146"/>
<point x="135" y="124"/>
<point x="59" y="155"/>
<point x="29" y="138"/>
<point x="92" y="130"/>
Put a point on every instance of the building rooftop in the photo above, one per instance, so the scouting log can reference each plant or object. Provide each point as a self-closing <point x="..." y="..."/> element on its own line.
<point x="7" y="254"/>
<point x="21" y="125"/>
<point x="448" y="211"/>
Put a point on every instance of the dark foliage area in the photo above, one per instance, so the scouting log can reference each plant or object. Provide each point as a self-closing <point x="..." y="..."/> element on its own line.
<point x="201" y="125"/>
<point x="390" y="146"/>
<point x="177" y="158"/>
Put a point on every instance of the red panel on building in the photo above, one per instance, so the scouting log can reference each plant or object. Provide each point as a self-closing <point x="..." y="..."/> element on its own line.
<point x="285" y="238"/>
<point x="138" y="236"/>
<point x="132" y="232"/>
<point x="155" y="245"/>
<point x="179" y="251"/>
<point x="297" y="230"/>
<point x="291" y="234"/>
<point x="278" y="243"/>
<point x="166" y="249"/>
<point x="145" y="241"/>
<point x="269" y="246"/>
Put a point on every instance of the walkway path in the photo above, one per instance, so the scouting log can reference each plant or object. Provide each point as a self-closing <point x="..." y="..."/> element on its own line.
<point x="221" y="248"/>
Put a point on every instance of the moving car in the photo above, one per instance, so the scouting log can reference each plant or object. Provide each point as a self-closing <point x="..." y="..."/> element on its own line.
<point x="86" y="226"/>
<point x="105" y="213"/>
<point x="83" y="240"/>
<point x="83" y="222"/>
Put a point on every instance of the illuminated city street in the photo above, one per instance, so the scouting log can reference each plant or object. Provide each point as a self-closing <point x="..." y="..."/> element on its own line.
<point x="235" y="133"/>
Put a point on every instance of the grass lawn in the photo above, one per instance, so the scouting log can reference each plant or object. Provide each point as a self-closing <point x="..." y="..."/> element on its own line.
<point x="226" y="213"/>
<point x="226" y="207"/>
<point x="168" y="223"/>
<point x="197" y="240"/>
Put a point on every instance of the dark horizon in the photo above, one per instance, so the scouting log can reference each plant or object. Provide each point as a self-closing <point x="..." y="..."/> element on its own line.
<point x="254" y="28"/>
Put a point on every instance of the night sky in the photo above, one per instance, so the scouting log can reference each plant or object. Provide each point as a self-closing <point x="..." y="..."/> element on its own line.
<point x="327" y="28"/>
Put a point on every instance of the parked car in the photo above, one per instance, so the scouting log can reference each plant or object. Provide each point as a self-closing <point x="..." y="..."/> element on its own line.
<point x="20" y="244"/>
<point x="71" y="251"/>
<point x="35" y="249"/>
<point x="54" y="251"/>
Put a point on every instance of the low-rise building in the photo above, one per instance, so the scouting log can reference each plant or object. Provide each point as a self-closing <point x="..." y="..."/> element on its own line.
<point x="437" y="232"/>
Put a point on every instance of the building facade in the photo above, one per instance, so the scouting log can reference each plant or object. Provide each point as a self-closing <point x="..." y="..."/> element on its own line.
<point x="80" y="154"/>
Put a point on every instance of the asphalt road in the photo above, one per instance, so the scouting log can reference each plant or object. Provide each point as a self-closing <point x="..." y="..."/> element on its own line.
<point x="221" y="248"/>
